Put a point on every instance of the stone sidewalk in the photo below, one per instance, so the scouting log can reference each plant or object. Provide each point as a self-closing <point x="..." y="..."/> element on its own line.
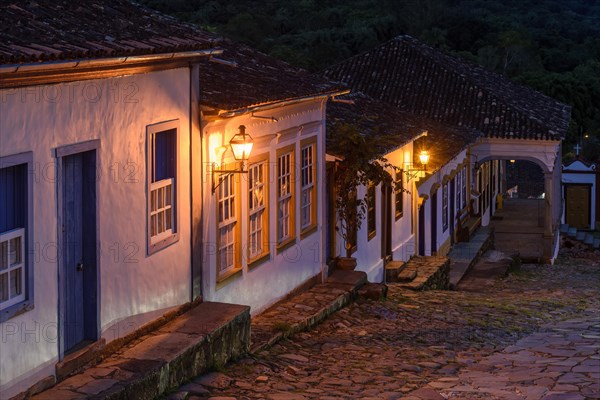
<point x="397" y="348"/>
<point x="203" y="338"/>
<point x="561" y="361"/>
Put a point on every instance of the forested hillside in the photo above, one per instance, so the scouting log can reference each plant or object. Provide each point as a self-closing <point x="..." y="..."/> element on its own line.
<point x="550" y="45"/>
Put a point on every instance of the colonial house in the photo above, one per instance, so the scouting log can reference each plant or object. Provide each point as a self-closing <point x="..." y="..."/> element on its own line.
<point x="501" y="120"/>
<point x="581" y="192"/>
<point x="95" y="176"/>
<point x="264" y="229"/>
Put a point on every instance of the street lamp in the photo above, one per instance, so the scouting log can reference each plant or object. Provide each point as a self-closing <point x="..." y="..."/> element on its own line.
<point x="241" y="146"/>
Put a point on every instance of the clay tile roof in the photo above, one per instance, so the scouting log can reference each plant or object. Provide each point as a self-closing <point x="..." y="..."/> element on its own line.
<point x="427" y="82"/>
<point x="257" y="79"/>
<point x="389" y="128"/>
<point x="48" y="30"/>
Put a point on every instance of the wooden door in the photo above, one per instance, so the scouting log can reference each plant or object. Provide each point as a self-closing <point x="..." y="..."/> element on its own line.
<point x="577" y="199"/>
<point x="78" y="262"/>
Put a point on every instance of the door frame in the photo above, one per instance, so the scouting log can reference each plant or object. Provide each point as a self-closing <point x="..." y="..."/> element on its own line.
<point x="59" y="153"/>
<point x="590" y="187"/>
<point x="434" y="214"/>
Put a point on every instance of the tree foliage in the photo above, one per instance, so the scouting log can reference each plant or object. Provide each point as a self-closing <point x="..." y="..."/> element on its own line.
<point x="361" y="166"/>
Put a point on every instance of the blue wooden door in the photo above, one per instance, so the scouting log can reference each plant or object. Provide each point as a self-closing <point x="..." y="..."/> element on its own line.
<point x="451" y="211"/>
<point x="434" y="222"/>
<point x="78" y="249"/>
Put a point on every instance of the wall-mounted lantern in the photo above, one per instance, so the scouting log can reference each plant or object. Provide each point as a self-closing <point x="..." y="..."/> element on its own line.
<point x="412" y="170"/>
<point x="241" y="147"/>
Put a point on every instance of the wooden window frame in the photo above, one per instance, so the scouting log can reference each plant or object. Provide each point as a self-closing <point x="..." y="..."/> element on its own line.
<point x="445" y="207"/>
<point x="284" y="241"/>
<point x="264" y="209"/>
<point x="164" y="239"/>
<point x="399" y="195"/>
<point x="26" y="302"/>
<point x="312" y="186"/>
<point x="464" y="187"/>
<point x="234" y="221"/>
<point x="371" y="211"/>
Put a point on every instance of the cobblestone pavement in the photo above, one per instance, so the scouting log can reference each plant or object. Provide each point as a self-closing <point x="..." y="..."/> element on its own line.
<point x="534" y="334"/>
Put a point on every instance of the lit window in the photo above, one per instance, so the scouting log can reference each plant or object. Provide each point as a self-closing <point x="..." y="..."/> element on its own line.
<point x="285" y="226"/>
<point x="371" y="211"/>
<point x="162" y="219"/>
<point x="227" y="225"/>
<point x="257" y="206"/>
<point x="309" y="193"/>
<point x="399" y="194"/>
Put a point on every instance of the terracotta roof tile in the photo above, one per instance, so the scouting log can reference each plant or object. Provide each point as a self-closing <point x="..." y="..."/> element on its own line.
<point x="47" y="30"/>
<point x="429" y="83"/>
<point x="389" y="128"/>
<point x="257" y="79"/>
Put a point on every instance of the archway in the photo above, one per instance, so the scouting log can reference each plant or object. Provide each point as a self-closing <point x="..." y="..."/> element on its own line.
<point x="546" y="155"/>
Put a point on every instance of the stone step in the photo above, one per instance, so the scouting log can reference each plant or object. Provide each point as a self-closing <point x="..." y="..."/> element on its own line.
<point x="432" y="273"/>
<point x="407" y="275"/>
<point x="373" y="291"/>
<point x="589" y="239"/>
<point x="205" y="337"/>
<point x="392" y="269"/>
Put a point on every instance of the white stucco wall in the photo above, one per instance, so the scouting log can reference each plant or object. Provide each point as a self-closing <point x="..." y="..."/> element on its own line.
<point x="132" y="284"/>
<point x="368" y="251"/>
<point x="268" y="282"/>
<point x="424" y="188"/>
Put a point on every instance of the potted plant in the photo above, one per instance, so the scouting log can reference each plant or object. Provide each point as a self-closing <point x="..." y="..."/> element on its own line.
<point x="361" y="165"/>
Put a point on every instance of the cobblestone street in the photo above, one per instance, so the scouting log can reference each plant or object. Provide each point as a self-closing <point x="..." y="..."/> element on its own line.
<point x="532" y="335"/>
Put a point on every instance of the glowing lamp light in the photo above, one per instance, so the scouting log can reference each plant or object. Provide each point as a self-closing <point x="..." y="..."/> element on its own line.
<point x="424" y="157"/>
<point x="512" y="161"/>
<point x="241" y="144"/>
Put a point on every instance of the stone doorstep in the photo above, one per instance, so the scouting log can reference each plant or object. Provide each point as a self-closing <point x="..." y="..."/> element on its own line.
<point x="392" y="270"/>
<point x="206" y="336"/>
<point x="338" y="291"/>
<point x="77" y="360"/>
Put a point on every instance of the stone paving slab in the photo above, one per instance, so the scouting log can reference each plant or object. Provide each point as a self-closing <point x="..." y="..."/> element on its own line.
<point x="206" y="336"/>
<point x="305" y="310"/>
<point x="561" y="361"/>
<point x="417" y="344"/>
<point x="464" y="255"/>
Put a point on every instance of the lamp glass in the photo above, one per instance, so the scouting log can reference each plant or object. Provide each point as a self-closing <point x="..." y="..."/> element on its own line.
<point x="424" y="157"/>
<point x="241" y="145"/>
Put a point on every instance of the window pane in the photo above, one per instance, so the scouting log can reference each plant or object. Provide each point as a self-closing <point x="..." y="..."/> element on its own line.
<point x="153" y="225"/>
<point x="164" y="154"/>
<point x="168" y="198"/>
<point x="3" y="255"/>
<point x="15" y="282"/>
<point x="14" y="251"/>
<point x="169" y="217"/>
<point x="3" y="287"/>
<point x="161" y="197"/>
<point x="153" y="200"/>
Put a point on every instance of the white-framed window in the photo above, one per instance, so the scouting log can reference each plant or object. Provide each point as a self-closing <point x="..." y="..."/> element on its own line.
<point x="162" y="185"/>
<point x="258" y="176"/>
<point x="308" y="198"/>
<point x="445" y="207"/>
<point x="12" y="267"/>
<point x="227" y="237"/>
<point x="16" y="273"/>
<point x="371" y="211"/>
<point x="285" y="190"/>
<point x="399" y="194"/>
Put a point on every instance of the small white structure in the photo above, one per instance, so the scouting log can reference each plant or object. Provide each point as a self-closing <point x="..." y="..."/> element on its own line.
<point x="581" y="185"/>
